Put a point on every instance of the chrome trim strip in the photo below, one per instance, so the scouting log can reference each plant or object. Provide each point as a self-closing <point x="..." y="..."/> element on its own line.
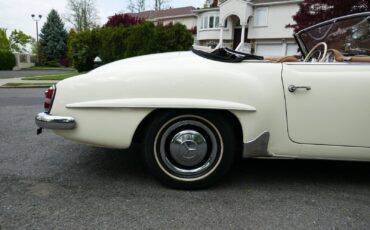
<point x="47" y="121"/>
<point x="168" y="103"/>
<point x="257" y="147"/>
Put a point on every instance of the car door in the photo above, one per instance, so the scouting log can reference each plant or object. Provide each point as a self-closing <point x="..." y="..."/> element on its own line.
<point x="332" y="108"/>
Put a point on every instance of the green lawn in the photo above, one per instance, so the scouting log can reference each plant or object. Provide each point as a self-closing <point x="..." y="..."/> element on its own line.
<point x="52" y="77"/>
<point x="50" y="68"/>
<point x="26" y="85"/>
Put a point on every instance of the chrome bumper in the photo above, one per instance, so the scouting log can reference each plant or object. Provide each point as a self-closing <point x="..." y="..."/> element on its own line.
<point x="47" y="121"/>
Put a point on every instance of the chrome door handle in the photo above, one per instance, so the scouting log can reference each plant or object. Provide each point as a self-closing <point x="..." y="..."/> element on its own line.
<point x="293" y="88"/>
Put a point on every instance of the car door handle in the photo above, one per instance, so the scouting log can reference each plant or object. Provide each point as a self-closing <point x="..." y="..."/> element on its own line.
<point x="293" y="88"/>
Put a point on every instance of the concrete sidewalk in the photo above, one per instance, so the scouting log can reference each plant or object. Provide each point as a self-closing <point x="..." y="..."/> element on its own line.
<point x="19" y="80"/>
<point x="31" y="72"/>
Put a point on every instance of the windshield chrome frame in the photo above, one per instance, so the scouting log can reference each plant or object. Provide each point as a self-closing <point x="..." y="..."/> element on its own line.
<point x="301" y="44"/>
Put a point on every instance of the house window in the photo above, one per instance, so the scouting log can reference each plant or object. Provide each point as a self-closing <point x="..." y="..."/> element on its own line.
<point x="217" y="21"/>
<point x="210" y="22"/>
<point x="205" y="22"/>
<point x="261" y="16"/>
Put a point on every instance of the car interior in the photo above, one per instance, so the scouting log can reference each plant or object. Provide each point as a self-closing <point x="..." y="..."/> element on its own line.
<point x="344" y="39"/>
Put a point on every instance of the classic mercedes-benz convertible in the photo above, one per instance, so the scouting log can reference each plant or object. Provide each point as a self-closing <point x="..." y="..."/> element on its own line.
<point x="195" y="112"/>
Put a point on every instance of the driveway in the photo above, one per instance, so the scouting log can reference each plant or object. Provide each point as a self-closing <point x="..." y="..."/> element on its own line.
<point x="47" y="182"/>
<point x="30" y="73"/>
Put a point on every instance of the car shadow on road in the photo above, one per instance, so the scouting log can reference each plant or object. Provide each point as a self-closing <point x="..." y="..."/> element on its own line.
<point x="245" y="172"/>
<point x="303" y="172"/>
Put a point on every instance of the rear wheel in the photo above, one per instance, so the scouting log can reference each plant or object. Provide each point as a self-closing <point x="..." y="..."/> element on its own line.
<point x="189" y="150"/>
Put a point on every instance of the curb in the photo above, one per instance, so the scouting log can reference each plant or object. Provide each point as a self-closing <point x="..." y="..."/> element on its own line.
<point x="41" y="85"/>
<point x="24" y="87"/>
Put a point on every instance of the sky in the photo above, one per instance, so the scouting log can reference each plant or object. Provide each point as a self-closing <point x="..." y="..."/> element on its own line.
<point x="16" y="14"/>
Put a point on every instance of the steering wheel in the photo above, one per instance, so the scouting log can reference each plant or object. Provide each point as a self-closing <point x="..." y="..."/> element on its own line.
<point x="314" y="49"/>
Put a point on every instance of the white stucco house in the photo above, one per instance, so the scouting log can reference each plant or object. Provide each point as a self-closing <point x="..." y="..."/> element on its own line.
<point x="253" y="26"/>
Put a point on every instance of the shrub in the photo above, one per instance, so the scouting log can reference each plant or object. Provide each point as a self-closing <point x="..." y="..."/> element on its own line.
<point x="53" y="63"/>
<point x="7" y="60"/>
<point x="86" y="47"/>
<point x="71" y="37"/>
<point x="116" y="43"/>
<point x="65" y="62"/>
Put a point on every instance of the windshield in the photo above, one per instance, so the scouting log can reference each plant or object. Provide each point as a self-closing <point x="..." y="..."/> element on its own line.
<point x="349" y="35"/>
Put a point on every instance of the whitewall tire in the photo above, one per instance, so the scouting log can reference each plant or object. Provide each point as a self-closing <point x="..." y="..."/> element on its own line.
<point x="189" y="149"/>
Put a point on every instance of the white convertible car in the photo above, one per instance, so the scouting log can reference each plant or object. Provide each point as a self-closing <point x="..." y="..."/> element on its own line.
<point x="195" y="112"/>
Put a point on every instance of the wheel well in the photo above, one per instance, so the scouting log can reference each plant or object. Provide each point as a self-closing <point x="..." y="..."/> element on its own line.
<point x="231" y="118"/>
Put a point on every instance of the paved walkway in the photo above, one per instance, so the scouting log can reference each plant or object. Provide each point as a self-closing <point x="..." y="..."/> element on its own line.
<point x="16" y="76"/>
<point x="19" y="80"/>
<point x="30" y="73"/>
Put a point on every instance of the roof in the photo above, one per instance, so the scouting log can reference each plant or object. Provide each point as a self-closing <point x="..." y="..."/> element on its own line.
<point x="172" y="12"/>
<point x="253" y="3"/>
<point x="271" y="1"/>
<point x="274" y="2"/>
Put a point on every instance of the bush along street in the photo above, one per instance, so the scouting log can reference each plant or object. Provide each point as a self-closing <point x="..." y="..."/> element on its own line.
<point x="7" y="60"/>
<point x="115" y="43"/>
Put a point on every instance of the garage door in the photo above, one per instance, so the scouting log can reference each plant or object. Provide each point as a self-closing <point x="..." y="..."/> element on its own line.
<point x="270" y="50"/>
<point x="292" y="49"/>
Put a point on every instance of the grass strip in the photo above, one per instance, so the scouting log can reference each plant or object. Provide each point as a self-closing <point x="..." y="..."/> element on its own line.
<point x="57" y="77"/>
<point x="27" y="85"/>
<point x="50" y="68"/>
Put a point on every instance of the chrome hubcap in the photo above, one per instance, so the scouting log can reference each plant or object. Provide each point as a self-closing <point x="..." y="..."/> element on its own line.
<point x="188" y="148"/>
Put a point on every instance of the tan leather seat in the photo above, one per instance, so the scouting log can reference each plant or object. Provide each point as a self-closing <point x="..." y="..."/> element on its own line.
<point x="360" y="59"/>
<point x="282" y="59"/>
<point x="340" y="58"/>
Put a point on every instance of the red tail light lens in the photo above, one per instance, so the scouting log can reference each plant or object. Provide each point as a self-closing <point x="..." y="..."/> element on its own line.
<point x="49" y="96"/>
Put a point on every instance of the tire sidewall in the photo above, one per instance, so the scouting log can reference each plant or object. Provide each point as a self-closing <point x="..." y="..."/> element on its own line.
<point x="226" y="156"/>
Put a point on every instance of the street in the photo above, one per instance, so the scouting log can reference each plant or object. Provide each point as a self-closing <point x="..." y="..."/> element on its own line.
<point x="47" y="182"/>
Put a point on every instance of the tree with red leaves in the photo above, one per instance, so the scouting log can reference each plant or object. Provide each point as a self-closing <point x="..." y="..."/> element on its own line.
<point x="214" y="3"/>
<point x="312" y="12"/>
<point x="122" y="20"/>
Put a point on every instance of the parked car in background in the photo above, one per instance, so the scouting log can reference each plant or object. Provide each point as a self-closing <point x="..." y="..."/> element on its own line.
<point x="196" y="112"/>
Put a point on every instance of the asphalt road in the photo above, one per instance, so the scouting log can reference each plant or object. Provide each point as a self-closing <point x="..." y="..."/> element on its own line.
<point x="47" y="182"/>
<point x="30" y="73"/>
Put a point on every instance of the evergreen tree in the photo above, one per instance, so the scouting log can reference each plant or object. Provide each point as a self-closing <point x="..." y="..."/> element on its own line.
<point x="53" y="37"/>
<point x="312" y="12"/>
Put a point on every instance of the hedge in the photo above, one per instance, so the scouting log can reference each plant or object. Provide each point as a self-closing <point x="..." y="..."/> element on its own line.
<point x="7" y="60"/>
<point x="116" y="43"/>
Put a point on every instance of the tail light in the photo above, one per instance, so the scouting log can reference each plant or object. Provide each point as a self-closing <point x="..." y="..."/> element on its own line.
<point x="49" y="98"/>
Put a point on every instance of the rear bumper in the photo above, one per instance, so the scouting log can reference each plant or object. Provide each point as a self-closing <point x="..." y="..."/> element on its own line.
<point x="47" y="121"/>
